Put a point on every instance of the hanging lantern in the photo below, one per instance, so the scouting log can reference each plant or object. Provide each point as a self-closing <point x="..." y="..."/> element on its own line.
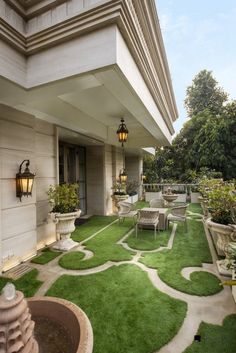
<point x="24" y="181"/>
<point x="123" y="176"/>
<point x="122" y="132"/>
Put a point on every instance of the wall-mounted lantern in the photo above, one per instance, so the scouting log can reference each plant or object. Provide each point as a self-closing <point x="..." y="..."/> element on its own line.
<point x="143" y="177"/>
<point x="24" y="181"/>
<point x="122" y="132"/>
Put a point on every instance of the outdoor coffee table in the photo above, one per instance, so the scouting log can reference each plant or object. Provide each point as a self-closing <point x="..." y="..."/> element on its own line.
<point x="162" y="216"/>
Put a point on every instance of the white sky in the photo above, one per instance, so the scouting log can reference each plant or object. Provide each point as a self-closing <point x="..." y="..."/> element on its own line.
<point x="199" y="35"/>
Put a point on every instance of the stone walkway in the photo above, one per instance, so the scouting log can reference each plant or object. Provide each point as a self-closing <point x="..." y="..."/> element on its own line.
<point x="211" y="309"/>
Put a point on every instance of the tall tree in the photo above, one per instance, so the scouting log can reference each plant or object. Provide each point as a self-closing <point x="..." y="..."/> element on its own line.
<point x="204" y="93"/>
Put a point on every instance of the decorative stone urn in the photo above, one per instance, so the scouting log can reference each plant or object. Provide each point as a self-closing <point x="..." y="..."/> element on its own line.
<point x="16" y="326"/>
<point x="116" y="199"/>
<point x="226" y="234"/>
<point x="65" y="225"/>
<point x="204" y="204"/>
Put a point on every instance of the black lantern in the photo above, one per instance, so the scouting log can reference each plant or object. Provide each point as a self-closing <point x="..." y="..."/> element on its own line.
<point x="123" y="176"/>
<point x="24" y="181"/>
<point x="122" y="132"/>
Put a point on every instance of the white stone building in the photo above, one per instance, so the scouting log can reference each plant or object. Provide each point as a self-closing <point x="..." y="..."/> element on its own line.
<point x="69" y="71"/>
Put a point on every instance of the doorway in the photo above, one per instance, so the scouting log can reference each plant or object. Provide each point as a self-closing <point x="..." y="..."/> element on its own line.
<point x="72" y="169"/>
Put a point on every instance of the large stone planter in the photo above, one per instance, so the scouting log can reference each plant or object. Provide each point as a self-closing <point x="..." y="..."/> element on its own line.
<point x="67" y="315"/>
<point x="116" y="199"/>
<point x="132" y="199"/>
<point x="204" y="204"/>
<point x="65" y="225"/>
<point x="225" y="234"/>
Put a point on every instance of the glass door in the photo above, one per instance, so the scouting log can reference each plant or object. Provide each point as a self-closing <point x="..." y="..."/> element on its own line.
<point x="72" y="169"/>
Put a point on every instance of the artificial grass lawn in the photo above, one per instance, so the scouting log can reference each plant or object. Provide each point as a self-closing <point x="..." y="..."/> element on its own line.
<point x="104" y="248"/>
<point x="215" y="338"/>
<point x="195" y="208"/>
<point x="93" y="225"/>
<point x="146" y="241"/>
<point x="46" y="256"/>
<point x="127" y="313"/>
<point x="28" y="283"/>
<point x="189" y="249"/>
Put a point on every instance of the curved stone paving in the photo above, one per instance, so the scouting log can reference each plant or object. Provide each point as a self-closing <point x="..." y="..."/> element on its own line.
<point x="211" y="309"/>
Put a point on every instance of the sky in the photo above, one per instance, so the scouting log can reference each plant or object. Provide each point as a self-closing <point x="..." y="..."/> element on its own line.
<point x="199" y="34"/>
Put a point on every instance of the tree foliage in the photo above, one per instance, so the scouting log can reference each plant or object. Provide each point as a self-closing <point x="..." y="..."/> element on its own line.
<point x="204" y="93"/>
<point x="206" y="145"/>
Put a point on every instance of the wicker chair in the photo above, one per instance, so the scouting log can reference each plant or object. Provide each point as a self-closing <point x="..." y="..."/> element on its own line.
<point x="156" y="203"/>
<point x="178" y="213"/>
<point x="126" y="210"/>
<point x="147" y="219"/>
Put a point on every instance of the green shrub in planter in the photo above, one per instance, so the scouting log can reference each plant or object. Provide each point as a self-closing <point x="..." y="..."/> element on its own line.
<point x="206" y="185"/>
<point x="222" y="203"/>
<point x="64" y="198"/>
<point x="132" y="187"/>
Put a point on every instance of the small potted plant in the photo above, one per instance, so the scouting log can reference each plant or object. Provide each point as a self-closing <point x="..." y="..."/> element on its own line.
<point x="65" y="209"/>
<point x="119" y="193"/>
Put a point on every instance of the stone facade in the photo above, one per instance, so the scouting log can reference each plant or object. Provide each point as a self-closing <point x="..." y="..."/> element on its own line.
<point x="69" y="71"/>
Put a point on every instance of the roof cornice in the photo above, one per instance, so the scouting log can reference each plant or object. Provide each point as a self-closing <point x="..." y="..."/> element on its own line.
<point x="137" y="21"/>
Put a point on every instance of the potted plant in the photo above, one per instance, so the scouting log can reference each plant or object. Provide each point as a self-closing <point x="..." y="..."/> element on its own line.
<point x="119" y="193"/>
<point x="222" y="204"/>
<point x="205" y="187"/>
<point x="65" y="209"/>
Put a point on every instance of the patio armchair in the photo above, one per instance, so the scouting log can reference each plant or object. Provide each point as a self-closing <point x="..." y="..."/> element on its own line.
<point x="147" y="219"/>
<point x="178" y="213"/>
<point x="126" y="210"/>
<point x="156" y="203"/>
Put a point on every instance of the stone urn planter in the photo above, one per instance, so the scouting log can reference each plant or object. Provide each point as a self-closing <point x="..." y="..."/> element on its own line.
<point x="225" y="234"/>
<point x="116" y="199"/>
<point x="65" y="225"/>
<point x="204" y="205"/>
<point x="169" y="198"/>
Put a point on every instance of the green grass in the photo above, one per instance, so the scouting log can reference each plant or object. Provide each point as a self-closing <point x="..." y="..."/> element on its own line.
<point x="104" y="248"/>
<point x="127" y="313"/>
<point x="93" y="225"/>
<point x="141" y="204"/>
<point x="46" y="256"/>
<point x="146" y="241"/>
<point x="28" y="283"/>
<point x="195" y="207"/>
<point x="189" y="249"/>
<point x="71" y="259"/>
<point x="215" y="338"/>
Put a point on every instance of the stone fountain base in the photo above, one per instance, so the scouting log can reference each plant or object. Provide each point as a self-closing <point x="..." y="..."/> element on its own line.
<point x="66" y="315"/>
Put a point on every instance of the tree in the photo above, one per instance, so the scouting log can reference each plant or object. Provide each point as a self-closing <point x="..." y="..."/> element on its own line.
<point x="206" y="145"/>
<point x="204" y="93"/>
